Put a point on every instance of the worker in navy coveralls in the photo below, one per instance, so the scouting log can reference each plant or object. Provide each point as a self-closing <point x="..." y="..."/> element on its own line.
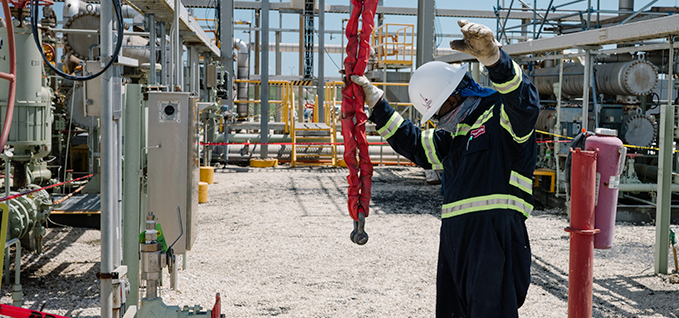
<point x="485" y="143"/>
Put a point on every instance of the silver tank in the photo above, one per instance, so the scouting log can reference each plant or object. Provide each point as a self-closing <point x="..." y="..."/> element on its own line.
<point x="31" y="131"/>
<point x="633" y="78"/>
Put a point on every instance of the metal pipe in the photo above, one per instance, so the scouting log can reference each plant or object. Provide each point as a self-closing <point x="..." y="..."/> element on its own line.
<point x="663" y="210"/>
<point x="265" y="80"/>
<point x="638" y="200"/>
<point x="84" y="31"/>
<point x="644" y="187"/>
<point x="118" y="182"/>
<point x="132" y="188"/>
<point x="176" y="45"/>
<point x="151" y="27"/>
<point x="557" y="145"/>
<point x="581" y="254"/>
<point x="243" y="61"/>
<point x="163" y="53"/>
<point x="321" y="61"/>
<point x="17" y="294"/>
<point x="8" y="171"/>
<point x="585" y="87"/>
<point x="107" y="155"/>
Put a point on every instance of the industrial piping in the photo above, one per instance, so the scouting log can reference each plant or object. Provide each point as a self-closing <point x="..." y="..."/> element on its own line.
<point x="243" y="61"/>
<point x="582" y="232"/>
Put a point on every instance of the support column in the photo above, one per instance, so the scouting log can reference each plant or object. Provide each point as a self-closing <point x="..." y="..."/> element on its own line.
<point x="663" y="209"/>
<point x="264" y="118"/>
<point x="425" y="31"/>
<point x="193" y="70"/>
<point x="181" y="79"/>
<point x="279" y="66"/>
<point x="226" y="46"/>
<point x="258" y="61"/>
<point x="163" y="54"/>
<point x="585" y="89"/>
<point x="321" y="61"/>
<point x="132" y="189"/>
<point x="176" y="46"/>
<point x="107" y="167"/>
<point x="151" y="28"/>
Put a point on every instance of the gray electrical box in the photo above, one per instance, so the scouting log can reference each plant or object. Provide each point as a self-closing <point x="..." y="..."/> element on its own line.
<point x="173" y="169"/>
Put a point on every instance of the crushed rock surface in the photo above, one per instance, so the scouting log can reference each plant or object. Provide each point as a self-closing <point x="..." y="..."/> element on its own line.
<point x="275" y="242"/>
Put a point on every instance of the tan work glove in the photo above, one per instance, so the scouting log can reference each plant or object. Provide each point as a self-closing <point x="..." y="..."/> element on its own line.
<point x="372" y="93"/>
<point x="478" y="41"/>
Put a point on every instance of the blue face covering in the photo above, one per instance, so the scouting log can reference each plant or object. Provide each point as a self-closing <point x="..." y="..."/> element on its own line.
<point x="470" y="88"/>
<point x="473" y="93"/>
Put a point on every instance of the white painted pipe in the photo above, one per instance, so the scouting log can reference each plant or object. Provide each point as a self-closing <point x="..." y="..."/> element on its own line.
<point x="643" y="187"/>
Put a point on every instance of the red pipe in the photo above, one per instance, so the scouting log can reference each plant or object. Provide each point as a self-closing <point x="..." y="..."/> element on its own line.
<point x="583" y="196"/>
<point x="11" y="77"/>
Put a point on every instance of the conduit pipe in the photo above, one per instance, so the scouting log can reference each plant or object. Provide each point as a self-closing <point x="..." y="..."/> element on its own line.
<point x="11" y="76"/>
<point x="243" y="61"/>
<point x="643" y="187"/>
<point x="580" y="272"/>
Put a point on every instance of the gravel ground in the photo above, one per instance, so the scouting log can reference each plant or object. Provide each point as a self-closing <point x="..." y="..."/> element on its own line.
<point x="275" y="242"/>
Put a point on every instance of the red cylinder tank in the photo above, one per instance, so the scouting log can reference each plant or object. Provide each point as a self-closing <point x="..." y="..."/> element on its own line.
<point x="610" y="162"/>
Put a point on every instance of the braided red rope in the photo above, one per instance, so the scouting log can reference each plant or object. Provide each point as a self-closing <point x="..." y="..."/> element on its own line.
<point x="354" y="117"/>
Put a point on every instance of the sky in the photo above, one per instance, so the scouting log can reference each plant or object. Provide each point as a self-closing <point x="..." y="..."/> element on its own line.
<point x="333" y="21"/>
<point x="443" y="25"/>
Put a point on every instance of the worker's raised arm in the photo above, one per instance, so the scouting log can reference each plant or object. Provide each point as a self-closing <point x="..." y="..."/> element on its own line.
<point x="424" y="148"/>
<point x="520" y="97"/>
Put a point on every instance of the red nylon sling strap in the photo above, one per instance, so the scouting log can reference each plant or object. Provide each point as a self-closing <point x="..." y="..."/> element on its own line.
<point x="18" y="312"/>
<point x="354" y="117"/>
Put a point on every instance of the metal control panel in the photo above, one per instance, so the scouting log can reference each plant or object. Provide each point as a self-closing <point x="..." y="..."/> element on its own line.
<point x="173" y="170"/>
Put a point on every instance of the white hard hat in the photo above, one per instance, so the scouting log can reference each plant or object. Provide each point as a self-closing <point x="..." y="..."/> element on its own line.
<point x="431" y="84"/>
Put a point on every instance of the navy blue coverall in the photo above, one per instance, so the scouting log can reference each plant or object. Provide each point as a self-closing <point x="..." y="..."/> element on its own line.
<point x="484" y="253"/>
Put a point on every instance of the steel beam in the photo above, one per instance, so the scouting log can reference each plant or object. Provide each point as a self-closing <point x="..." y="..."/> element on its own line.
<point x="630" y="32"/>
<point x="164" y="11"/>
<point x="483" y="14"/>
<point x="425" y="31"/>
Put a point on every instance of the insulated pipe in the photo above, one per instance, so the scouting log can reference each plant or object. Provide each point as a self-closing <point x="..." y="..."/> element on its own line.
<point x="583" y="197"/>
<point x="635" y="77"/>
<point x="243" y="61"/>
<point x="73" y="7"/>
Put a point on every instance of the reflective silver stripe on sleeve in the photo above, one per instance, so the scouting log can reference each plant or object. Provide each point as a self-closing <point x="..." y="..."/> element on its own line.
<point x="507" y="125"/>
<point x="430" y="149"/>
<point x="512" y="84"/>
<point x="392" y="125"/>
<point x="485" y="203"/>
<point x="521" y="182"/>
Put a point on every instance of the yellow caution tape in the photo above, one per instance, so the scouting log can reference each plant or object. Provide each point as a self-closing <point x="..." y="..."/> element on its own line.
<point x="628" y="146"/>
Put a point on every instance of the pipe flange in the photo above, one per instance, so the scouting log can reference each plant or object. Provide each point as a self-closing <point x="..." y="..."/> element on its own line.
<point x="79" y="44"/>
<point x="640" y="130"/>
<point x="641" y="77"/>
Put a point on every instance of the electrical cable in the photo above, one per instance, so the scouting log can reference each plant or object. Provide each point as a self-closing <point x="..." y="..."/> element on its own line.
<point x="119" y="44"/>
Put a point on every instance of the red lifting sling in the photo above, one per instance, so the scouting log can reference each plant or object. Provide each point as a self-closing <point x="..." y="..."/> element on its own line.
<point x="354" y="117"/>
